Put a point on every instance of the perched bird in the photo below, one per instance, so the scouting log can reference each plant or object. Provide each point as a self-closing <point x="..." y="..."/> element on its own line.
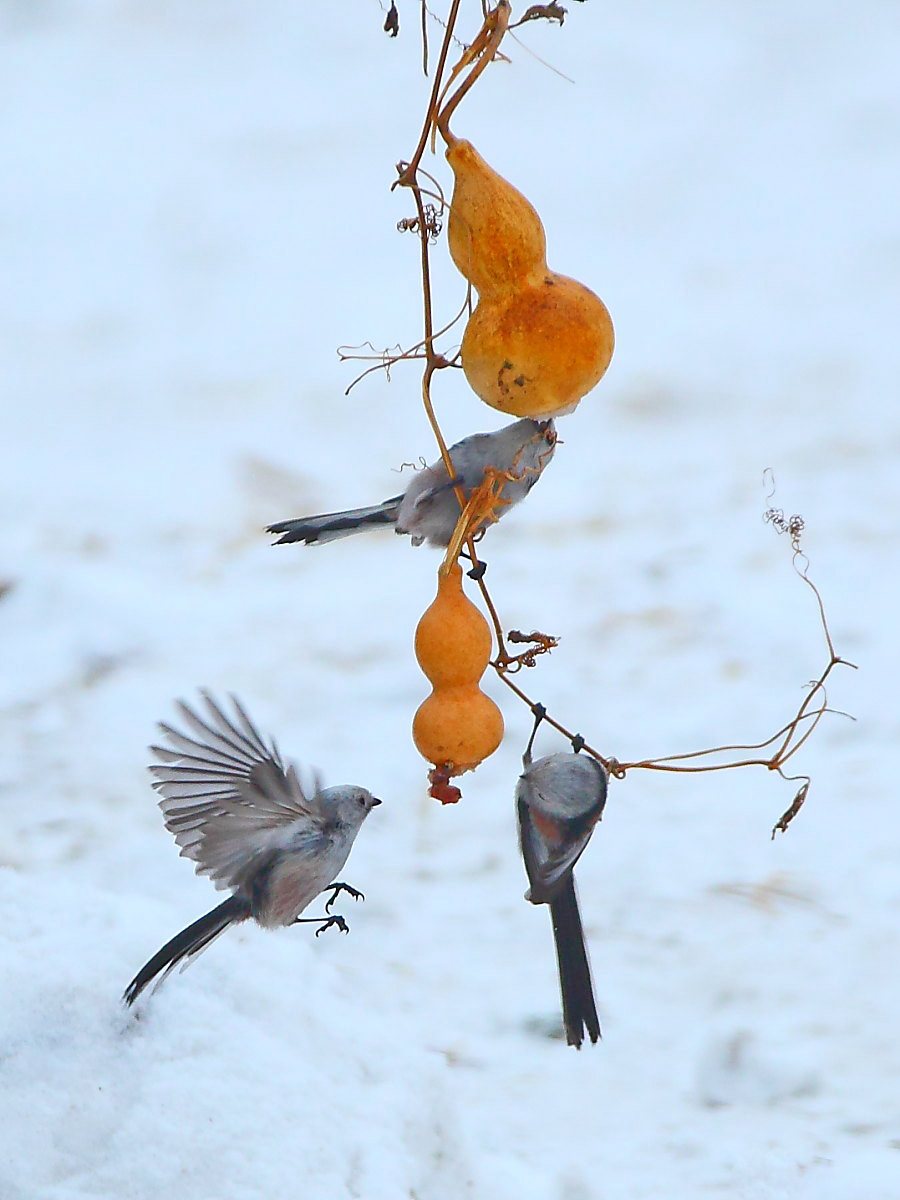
<point x="559" y="800"/>
<point x="244" y="818"/>
<point x="428" y="510"/>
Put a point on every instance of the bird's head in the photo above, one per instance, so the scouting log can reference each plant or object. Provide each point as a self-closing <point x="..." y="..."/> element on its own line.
<point x="348" y="803"/>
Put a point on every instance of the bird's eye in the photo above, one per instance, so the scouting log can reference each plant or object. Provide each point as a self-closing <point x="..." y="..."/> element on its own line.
<point x="361" y="800"/>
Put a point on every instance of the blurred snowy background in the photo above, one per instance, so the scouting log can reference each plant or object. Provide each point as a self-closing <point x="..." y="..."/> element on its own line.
<point x="194" y="212"/>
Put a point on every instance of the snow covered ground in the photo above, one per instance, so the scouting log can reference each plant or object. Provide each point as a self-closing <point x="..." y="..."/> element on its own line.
<point x="194" y="211"/>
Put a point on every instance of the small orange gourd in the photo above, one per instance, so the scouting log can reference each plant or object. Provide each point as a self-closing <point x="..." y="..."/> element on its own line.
<point x="537" y="341"/>
<point x="457" y="726"/>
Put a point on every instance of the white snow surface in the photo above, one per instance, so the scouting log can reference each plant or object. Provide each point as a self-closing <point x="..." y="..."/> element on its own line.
<point x="195" y="212"/>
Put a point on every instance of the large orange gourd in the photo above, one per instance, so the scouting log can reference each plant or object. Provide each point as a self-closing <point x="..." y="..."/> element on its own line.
<point x="537" y="341"/>
<point x="457" y="726"/>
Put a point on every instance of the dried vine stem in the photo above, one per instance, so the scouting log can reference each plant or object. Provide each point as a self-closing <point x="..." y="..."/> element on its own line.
<point x="794" y="733"/>
<point x="481" y="53"/>
<point x="408" y="177"/>
<point x="384" y="360"/>
<point x="789" y="738"/>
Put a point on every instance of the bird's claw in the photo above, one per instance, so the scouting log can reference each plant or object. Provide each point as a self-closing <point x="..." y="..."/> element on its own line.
<point x="334" y="920"/>
<point x="337" y="888"/>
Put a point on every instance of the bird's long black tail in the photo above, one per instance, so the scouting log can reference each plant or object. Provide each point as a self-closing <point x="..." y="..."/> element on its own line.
<point x="579" y="1006"/>
<point x="186" y="945"/>
<point x="328" y="527"/>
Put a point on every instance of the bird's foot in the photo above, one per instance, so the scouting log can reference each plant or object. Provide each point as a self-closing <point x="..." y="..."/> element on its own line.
<point x="323" y="922"/>
<point x="336" y="889"/>
<point x="479" y="566"/>
<point x="334" y="920"/>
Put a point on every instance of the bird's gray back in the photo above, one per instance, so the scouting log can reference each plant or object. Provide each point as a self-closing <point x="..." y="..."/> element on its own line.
<point x="429" y="509"/>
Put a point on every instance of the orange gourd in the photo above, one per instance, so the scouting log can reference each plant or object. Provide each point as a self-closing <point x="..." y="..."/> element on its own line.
<point x="537" y="341"/>
<point x="457" y="726"/>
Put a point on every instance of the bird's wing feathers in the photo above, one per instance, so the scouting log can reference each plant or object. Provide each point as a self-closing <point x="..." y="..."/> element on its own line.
<point x="430" y="494"/>
<point x="225" y="796"/>
<point x="533" y="847"/>
<point x="547" y="866"/>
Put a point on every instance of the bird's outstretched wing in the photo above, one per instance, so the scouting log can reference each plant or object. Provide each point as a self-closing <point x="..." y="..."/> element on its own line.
<point x="225" y="795"/>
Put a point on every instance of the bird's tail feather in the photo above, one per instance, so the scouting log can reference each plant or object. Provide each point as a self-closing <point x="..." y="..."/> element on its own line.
<point x="579" y="1006"/>
<point x="186" y="945"/>
<point x="328" y="527"/>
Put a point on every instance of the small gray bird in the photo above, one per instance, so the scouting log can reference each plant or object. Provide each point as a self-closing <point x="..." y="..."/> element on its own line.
<point x="244" y="818"/>
<point x="428" y="510"/>
<point x="559" y="800"/>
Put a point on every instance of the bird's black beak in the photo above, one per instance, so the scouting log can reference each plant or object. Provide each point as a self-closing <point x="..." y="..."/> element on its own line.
<point x="375" y="801"/>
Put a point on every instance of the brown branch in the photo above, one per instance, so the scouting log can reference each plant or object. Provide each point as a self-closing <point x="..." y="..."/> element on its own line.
<point x="482" y="50"/>
<point x="608" y="764"/>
